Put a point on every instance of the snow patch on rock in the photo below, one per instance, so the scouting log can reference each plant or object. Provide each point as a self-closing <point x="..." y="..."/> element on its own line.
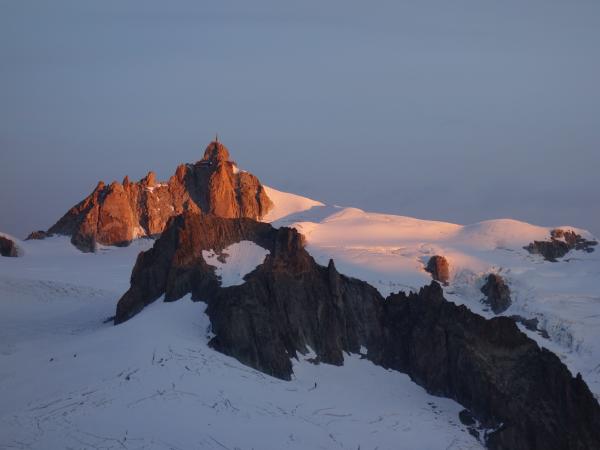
<point x="235" y="261"/>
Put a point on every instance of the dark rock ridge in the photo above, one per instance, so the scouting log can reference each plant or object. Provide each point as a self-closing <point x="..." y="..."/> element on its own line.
<point x="8" y="247"/>
<point x="503" y="377"/>
<point x="439" y="269"/>
<point x="290" y="303"/>
<point x="120" y="212"/>
<point x="561" y="242"/>
<point x="497" y="293"/>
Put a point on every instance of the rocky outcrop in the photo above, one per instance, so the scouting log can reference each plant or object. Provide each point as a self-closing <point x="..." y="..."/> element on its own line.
<point x="37" y="235"/>
<point x="174" y="266"/>
<point x="120" y="212"/>
<point x="497" y="293"/>
<point x="561" y="242"/>
<point x="289" y="304"/>
<point x="523" y="392"/>
<point x="8" y="247"/>
<point x="439" y="269"/>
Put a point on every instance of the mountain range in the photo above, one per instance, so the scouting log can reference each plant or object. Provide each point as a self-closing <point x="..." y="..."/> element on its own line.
<point x="214" y="274"/>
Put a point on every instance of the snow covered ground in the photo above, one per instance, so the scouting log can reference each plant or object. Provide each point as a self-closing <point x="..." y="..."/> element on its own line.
<point x="68" y="379"/>
<point x="390" y="252"/>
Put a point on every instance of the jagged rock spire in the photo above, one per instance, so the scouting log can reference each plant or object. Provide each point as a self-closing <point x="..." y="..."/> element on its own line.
<point x="120" y="213"/>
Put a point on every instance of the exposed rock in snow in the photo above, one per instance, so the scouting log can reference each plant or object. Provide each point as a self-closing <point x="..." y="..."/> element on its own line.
<point x="497" y="293"/>
<point x="115" y="214"/>
<point x="561" y="242"/>
<point x="439" y="269"/>
<point x="8" y="247"/>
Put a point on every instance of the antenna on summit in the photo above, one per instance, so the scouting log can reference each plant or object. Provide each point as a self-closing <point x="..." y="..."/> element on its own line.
<point x="217" y="138"/>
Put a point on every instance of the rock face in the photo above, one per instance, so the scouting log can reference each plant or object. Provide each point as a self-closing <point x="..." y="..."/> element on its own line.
<point x="491" y="368"/>
<point x="8" y="247"/>
<point x="290" y="303"/>
<point x="120" y="212"/>
<point x="439" y="269"/>
<point x="174" y="266"/>
<point x="561" y="242"/>
<point x="497" y="293"/>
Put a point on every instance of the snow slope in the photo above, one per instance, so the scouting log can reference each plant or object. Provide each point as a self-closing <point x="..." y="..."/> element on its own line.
<point x="68" y="379"/>
<point x="285" y="204"/>
<point x="390" y="252"/>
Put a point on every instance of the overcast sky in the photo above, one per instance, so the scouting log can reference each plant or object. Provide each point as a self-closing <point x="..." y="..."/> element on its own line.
<point x="451" y="110"/>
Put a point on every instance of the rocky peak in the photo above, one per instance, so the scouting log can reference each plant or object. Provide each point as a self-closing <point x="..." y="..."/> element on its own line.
<point x="216" y="152"/>
<point x="118" y="213"/>
<point x="149" y="180"/>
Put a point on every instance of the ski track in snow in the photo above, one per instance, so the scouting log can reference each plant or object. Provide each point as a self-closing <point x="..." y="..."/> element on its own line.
<point x="70" y="379"/>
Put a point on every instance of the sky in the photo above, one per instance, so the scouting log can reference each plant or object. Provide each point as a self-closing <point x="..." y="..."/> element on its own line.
<point x="458" y="110"/>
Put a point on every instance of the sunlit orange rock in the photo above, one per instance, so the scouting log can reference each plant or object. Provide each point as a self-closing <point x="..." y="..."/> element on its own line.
<point x="120" y="212"/>
<point x="439" y="269"/>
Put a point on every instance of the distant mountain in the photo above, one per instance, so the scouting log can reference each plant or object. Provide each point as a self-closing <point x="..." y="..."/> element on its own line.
<point x="120" y="212"/>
